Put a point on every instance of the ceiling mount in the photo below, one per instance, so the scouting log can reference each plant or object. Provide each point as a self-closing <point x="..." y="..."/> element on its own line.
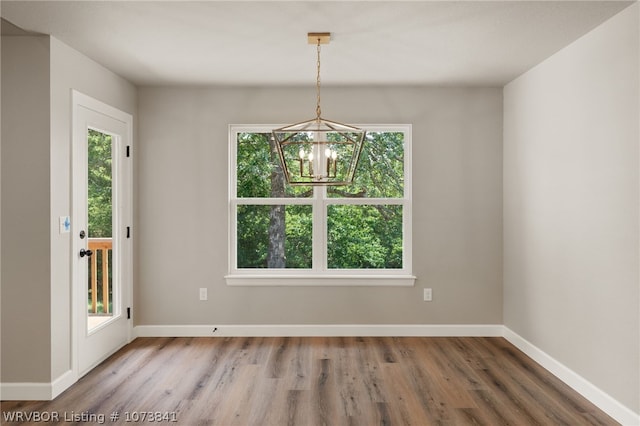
<point x="318" y="38"/>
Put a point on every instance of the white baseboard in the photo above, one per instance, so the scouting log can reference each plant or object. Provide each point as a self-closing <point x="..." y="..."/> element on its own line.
<point x="25" y="391"/>
<point x="37" y="391"/>
<point x="63" y="383"/>
<point x="601" y="399"/>
<point x="493" y="330"/>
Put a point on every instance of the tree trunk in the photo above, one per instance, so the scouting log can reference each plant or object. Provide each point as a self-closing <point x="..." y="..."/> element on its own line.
<point x="277" y="220"/>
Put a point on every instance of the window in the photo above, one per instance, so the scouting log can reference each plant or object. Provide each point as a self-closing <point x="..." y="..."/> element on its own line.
<point x="315" y="235"/>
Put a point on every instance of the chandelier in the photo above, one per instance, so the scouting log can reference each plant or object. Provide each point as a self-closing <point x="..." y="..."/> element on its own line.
<point x="319" y="151"/>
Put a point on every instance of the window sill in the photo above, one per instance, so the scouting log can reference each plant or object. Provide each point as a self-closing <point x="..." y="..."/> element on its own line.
<point x="321" y="280"/>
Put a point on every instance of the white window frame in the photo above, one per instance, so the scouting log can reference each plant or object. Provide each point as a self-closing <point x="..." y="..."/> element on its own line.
<point x="319" y="274"/>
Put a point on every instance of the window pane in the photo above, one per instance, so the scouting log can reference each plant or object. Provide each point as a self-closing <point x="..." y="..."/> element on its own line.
<point x="274" y="236"/>
<point x="259" y="171"/>
<point x="380" y="172"/>
<point x="364" y="237"/>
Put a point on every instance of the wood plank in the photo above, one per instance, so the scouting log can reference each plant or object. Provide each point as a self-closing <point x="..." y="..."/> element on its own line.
<point x="94" y="283"/>
<point x="105" y="280"/>
<point x="324" y="380"/>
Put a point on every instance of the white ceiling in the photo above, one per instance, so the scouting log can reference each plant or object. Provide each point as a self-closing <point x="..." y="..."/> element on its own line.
<point x="264" y="42"/>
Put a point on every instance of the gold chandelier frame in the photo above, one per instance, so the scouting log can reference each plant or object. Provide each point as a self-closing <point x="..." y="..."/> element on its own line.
<point x="319" y="151"/>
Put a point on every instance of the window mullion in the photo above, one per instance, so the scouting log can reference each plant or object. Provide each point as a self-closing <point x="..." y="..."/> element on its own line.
<point x="319" y="229"/>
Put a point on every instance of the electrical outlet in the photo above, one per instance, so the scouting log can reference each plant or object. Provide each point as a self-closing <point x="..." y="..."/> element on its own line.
<point x="203" y="294"/>
<point x="428" y="295"/>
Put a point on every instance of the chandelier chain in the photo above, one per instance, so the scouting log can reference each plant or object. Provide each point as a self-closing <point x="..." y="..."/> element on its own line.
<point x="318" y="111"/>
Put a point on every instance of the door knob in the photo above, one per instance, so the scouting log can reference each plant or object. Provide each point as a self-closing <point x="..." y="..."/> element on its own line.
<point x="84" y="253"/>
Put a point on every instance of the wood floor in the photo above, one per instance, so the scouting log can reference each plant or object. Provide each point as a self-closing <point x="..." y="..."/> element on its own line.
<point x="320" y="381"/>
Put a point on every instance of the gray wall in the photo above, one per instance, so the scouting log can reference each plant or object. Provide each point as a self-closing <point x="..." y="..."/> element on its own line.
<point x="26" y="249"/>
<point x="182" y="231"/>
<point x="571" y="207"/>
<point x="38" y="74"/>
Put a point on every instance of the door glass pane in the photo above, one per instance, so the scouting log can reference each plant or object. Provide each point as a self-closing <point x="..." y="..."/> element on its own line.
<point x="364" y="236"/>
<point x="100" y="223"/>
<point x="274" y="236"/>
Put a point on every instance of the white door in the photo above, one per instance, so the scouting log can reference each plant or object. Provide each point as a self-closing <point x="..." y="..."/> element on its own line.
<point x="101" y="227"/>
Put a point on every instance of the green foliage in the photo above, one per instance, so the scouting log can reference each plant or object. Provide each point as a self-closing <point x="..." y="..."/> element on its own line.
<point x="364" y="237"/>
<point x="359" y="236"/>
<point x="99" y="307"/>
<point x="256" y="162"/>
<point x="99" y="195"/>
<point x="380" y="172"/>
<point x="253" y="236"/>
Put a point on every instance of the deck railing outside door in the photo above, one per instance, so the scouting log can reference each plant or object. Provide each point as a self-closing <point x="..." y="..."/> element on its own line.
<point x="102" y="245"/>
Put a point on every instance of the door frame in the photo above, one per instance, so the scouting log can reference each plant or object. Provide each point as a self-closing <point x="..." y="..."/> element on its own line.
<point x="125" y="213"/>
